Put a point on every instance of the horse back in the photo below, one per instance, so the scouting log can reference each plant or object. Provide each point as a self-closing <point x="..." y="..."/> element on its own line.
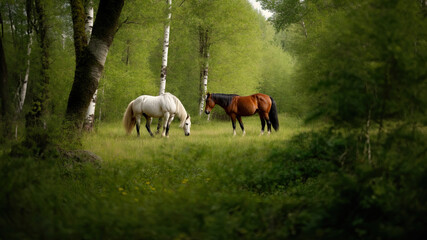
<point x="244" y="105"/>
<point x="249" y="105"/>
<point x="264" y="102"/>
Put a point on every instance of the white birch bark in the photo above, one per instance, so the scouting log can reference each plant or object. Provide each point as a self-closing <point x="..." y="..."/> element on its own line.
<point x="23" y="90"/>
<point x="89" y="20"/>
<point x="163" y="71"/>
<point x="204" y="85"/>
<point x="90" y="113"/>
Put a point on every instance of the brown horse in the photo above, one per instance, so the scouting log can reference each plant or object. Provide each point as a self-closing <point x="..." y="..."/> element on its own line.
<point x="239" y="106"/>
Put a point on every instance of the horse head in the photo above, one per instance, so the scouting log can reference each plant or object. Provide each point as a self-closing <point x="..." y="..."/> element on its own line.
<point x="210" y="103"/>
<point x="187" y="126"/>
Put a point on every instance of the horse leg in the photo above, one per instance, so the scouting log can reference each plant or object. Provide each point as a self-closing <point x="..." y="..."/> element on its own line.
<point x="138" y="123"/>
<point x="233" y="122"/>
<point x="159" y="124"/>
<point x="165" y="122"/>
<point x="169" y="124"/>
<point x="268" y="122"/>
<point x="241" y="125"/>
<point x="262" y="124"/>
<point x="148" y="121"/>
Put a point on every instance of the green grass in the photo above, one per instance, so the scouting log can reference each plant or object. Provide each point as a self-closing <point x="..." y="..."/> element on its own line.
<point x="214" y="138"/>
<point x="291" y="184"/>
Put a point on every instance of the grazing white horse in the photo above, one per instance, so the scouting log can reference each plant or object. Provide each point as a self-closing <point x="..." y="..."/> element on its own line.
<point x="165" y="106"/>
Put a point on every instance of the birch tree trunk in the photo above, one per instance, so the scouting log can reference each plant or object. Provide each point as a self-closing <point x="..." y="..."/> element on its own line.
<point x="23" y="90"/>
<point x="204" y="45"/>
<point x="89" y="19"/>
<point x="90" y="113"/>
<point x="204" y="85"/>
<point x="163" y="71"/>
<point x="90" y="58"/>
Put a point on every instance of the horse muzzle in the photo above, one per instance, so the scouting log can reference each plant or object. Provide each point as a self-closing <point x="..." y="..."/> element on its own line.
<point x="207" y="112"/>
<point x="187" y="134"/>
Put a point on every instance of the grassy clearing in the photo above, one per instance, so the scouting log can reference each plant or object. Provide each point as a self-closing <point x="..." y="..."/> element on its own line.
<point x="214" y="138"/>
<point x="294" y="183"/>
<point x="157" y="188"/>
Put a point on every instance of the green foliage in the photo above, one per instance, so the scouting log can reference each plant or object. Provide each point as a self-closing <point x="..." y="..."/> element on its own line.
<point x="358" y="60"/>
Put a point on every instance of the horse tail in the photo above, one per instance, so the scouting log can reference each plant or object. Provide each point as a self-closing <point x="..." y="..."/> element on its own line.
<point x="273" y="115"/>
<point x="129" y="119"/>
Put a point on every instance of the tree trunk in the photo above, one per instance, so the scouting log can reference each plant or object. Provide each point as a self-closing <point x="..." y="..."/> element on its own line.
<point x="204" y="84"/>
<point x="204" y="45"/>
<point x="23" y="89"/>
<point x="163" y="71"/>
<point x="367" y="149"/>
<point x="12" y="26"/>
<point x="89" y="19"/>
<point x="90" y="59"/>
<point x="5" y="108"/>
<point x="90" y="113"/>
<point x="39" y="108"/>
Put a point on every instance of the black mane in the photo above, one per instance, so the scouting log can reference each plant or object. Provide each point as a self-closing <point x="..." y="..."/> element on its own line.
<point x="223" y="99"/>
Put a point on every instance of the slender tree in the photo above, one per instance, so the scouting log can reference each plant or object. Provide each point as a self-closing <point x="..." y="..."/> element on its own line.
<point x="90" y="58"/>
<point x="22" y="90"/>
<point x="40" y="98"/>
<point x="204" y="45"/>
<point x="90" y="113"/>
<point x="5" y="111"/>
<point x="163" y="70"/>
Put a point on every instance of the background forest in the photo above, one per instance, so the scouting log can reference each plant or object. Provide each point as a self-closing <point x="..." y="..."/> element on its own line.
<point x="240" y="42"/>
<point x="349" y="161"/>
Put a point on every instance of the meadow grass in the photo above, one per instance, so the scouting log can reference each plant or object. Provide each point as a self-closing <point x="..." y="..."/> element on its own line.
<point x="294" y="183"/>
<point x="197" y="187"/>
<point x="214" y="137"/>
<point x="210" y="154"/>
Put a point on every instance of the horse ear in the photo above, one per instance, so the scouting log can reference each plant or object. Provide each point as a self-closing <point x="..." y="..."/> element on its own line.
<point x="207" y="95"/>
<point x="188" y="116"/>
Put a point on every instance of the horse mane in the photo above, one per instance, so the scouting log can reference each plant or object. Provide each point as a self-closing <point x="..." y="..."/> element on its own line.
<point x="223" y="99"/>
<point x="180" y="110"/>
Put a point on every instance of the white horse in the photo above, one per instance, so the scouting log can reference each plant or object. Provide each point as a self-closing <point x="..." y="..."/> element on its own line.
<point x="165" y="106"/>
